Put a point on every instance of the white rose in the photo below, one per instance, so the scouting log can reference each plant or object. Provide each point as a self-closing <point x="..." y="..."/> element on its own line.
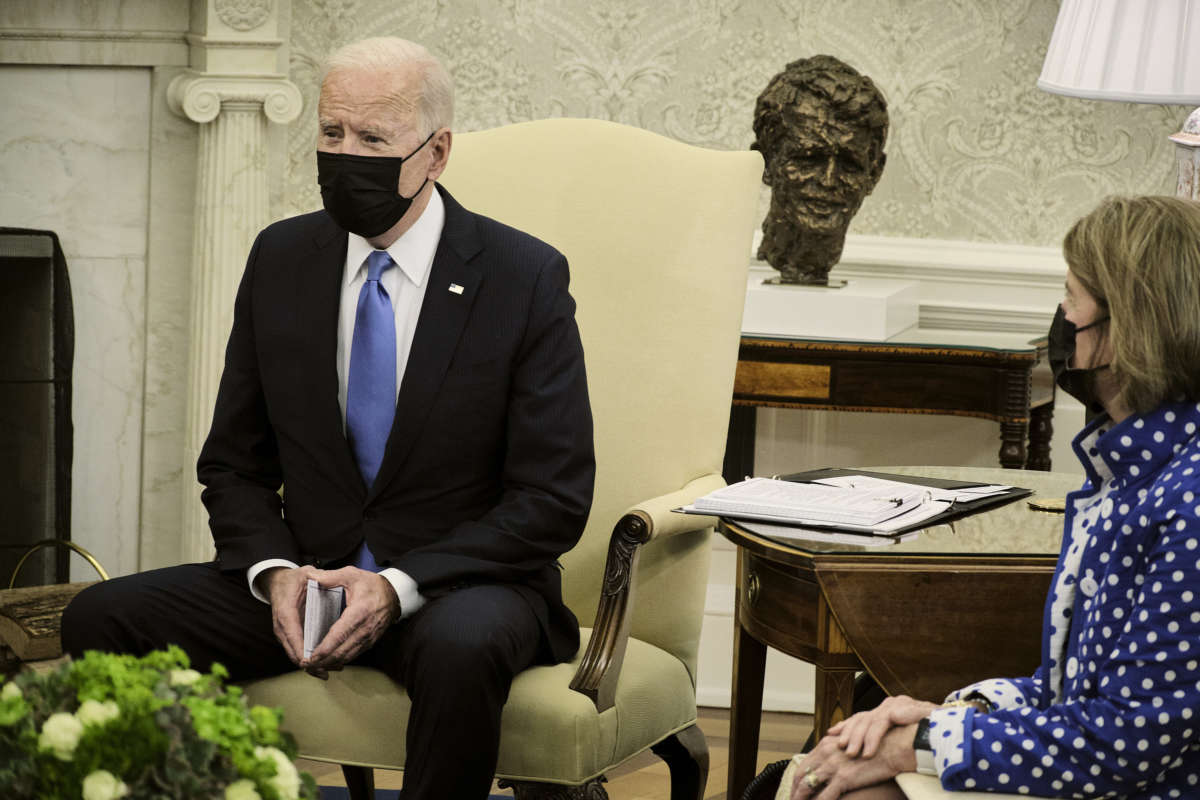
<point x="10" y="692"/>
<point x="242" y="790"/>
<point x="60" y="734"/>
<point x="183" y="677"/>
<point x="93" y="712"/>
<point x="103" y="785"/>
<point x="286" y="779"/>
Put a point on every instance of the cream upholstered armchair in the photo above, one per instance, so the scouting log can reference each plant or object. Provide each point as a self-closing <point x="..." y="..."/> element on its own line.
<point x="658" y="235"/>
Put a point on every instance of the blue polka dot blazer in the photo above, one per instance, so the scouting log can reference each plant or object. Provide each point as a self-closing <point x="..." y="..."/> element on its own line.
<point x="1112" y="711"/>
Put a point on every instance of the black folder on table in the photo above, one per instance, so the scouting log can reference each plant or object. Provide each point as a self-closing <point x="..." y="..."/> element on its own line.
<point x="956" y="510"/>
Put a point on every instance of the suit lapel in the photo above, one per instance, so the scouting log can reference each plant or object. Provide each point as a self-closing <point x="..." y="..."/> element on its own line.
<point x="324" y="269"/>
<point x="444" y="314"/>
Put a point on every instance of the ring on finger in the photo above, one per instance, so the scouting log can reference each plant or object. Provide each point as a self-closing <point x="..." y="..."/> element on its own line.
<point x="811" y="779"/>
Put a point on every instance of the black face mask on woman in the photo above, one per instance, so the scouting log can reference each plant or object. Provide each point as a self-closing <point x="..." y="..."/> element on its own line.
<point x="359" y="192"/>
<point x="1080" y="383"/>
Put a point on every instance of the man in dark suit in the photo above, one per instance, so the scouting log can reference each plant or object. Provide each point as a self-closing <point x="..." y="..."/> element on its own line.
<point x="411" y="374"/>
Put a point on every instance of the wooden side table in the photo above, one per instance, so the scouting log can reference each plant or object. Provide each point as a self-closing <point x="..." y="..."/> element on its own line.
<point x="1002" y="377"/>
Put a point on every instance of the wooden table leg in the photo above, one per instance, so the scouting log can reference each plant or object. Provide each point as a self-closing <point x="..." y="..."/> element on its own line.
<point x="834" y="687"/>
<point x="1014" y="424"/>
<point x="745" y="715"/>
<point x="1041" y="430"/>
<point x="739" y="444"/>
<point x="834" y="699"/>
<point x="1012" y="444"/>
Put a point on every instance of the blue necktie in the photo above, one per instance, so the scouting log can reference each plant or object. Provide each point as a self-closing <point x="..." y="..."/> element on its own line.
<point x="371" y="388"/>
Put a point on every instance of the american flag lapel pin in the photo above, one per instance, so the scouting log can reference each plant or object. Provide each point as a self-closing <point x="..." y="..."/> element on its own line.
<point x="456" y="289"/>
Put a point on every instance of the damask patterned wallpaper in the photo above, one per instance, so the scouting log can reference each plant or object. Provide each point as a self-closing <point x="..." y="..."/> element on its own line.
<point x="976" y="151"/>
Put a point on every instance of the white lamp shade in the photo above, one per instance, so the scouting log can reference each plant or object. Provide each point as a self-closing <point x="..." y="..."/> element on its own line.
<point x="1142" y="51"/>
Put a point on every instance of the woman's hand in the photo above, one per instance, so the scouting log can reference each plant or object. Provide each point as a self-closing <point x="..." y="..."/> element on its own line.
<point x="862" y="733"/>
<point x="828" y="771"/>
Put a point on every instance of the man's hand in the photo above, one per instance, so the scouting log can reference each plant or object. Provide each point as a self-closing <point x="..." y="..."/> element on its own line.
<point x="862" y="733"/>
<point x="287" y="589"/>
<point x="828" y="772"/>
<point x="371" y="606"/>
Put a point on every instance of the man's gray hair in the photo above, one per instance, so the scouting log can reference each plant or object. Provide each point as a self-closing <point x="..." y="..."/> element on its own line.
<point x="435" y="106"/>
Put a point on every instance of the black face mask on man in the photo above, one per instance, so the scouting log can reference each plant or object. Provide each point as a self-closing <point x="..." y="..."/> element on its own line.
<point x="360" y="193"/>
<point x="1079" y="382"/>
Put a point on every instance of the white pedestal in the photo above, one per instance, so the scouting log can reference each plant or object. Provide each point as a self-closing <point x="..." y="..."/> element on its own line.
<point x="867" y="309"/>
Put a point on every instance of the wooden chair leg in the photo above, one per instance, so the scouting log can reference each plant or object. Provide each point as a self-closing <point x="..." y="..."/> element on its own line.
<point x="686" y="753"/>
<point x="360" y="781"/>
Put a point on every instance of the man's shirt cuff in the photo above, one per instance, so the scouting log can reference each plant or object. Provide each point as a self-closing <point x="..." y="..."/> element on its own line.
<point x="406" y="591"/>
<point x="258" y="568"/>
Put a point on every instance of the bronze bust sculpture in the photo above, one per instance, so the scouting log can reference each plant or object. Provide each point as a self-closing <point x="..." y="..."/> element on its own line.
<point x="821" y="127"/>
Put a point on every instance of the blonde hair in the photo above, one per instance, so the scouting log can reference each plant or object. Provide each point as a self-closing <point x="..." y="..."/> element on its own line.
<point x="435" y="106"/>
<point x="1140" y="258"/>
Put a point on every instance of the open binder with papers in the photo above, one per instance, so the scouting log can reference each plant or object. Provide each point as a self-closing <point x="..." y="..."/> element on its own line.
<point x="853" y="500"/>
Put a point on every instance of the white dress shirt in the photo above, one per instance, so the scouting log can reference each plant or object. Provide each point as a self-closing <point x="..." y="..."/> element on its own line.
<point x="405" y="284"/>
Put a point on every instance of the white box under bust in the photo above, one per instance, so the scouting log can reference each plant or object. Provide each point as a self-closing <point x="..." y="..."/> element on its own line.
<point x="866" y="309"/>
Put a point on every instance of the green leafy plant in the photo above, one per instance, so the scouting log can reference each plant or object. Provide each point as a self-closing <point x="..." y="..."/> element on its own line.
<point x="108" y="726"/>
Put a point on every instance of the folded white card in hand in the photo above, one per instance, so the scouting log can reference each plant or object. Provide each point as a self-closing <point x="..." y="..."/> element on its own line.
<point x="322" y="607"/>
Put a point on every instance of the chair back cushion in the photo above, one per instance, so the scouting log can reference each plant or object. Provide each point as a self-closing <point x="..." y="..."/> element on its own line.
<point x="658" y="236"/>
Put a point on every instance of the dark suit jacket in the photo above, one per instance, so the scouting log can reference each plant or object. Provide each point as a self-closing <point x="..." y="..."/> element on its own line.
<point x="488" y="472"/>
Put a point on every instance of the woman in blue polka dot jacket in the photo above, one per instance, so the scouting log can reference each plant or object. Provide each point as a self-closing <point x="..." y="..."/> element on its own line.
<point x="1114" y="709"/>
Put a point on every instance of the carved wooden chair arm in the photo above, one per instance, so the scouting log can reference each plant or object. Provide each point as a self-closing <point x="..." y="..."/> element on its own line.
<point x="601" y="664"/>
